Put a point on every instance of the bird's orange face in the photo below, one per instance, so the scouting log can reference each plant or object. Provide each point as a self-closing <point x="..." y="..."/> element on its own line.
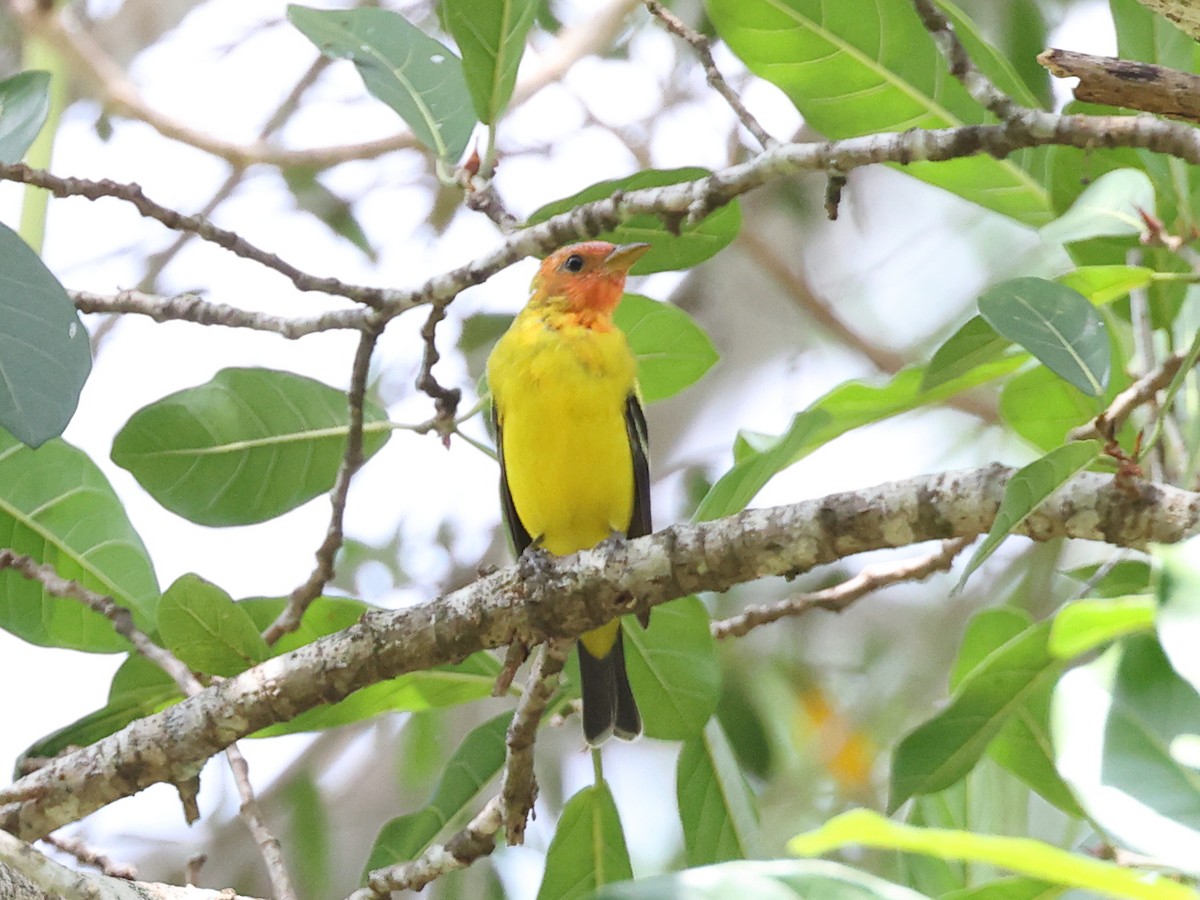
<point x="590" y="276"/>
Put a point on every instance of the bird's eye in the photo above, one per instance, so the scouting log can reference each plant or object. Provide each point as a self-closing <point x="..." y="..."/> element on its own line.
<point x="574" y="263"/>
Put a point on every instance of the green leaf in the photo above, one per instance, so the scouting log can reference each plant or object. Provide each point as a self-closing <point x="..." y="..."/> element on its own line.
<point x="246" y="446"/>
<point x="1119" y="725"/>
<point x="1026" y="490"/>
<point x="1108" y="208"/>
<point x="45" y="356"/>
<point x="473" y="764"/>
<point x="1149" y="37"/>
<point x="1042" y="408"/>
<point x="588" y="849"/>
<point x="1010" y="888"/>
<point x="846" y="407"/>
<point x="672" y="351"/>
<point x="716" y="806"/>
<point x="1054" y="323"/>
<point x="1179" y="607"/>
<point x="1104" y="284"/>
<point x="24" y="105"/>
<point x="417" y="76"/>
<point x="776" y="879"/>
<point x="668" y="251"/>
<point x="674" y="670"/>
<point x="202" y="626"/>
<point x="491" y="35"/>
<point x="942" y="750"/>
<point x="1084" y="625"/>
<point x="463" y="682"/>
<point x="1129" y="576"/>
<point x="974" y="344"/>
<point x="307" y="839"/>
<point x="853" y="70"/>
<point x="1021" y="855"/>
<point x="987" y="630"/>
<point x="57" y="506"/>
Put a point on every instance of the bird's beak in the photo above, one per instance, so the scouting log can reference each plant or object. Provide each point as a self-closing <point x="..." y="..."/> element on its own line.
<point x="622" y="257"/>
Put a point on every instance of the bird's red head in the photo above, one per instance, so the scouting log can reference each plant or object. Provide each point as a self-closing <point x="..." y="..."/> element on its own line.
<point x="589" y="276"/>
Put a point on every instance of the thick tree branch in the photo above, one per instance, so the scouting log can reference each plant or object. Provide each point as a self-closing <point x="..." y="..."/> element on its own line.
<point x="577" y="593"/>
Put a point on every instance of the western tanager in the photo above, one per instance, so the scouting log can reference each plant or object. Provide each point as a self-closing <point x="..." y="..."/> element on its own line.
<point x="572" y="441"/>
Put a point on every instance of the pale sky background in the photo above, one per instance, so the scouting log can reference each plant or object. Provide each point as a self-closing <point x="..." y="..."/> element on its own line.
<point x="100" y="247"/>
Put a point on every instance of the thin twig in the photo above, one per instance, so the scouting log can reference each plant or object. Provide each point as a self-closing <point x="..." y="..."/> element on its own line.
<point x="518" y="787"/>
<point x="299" y="600"/>
<point x="713" y="75"/>
<point x="445" y="400"/>
<point x="199" y="225"/>
<point x="838" y="597"/>
<point x="90" y="856"/>
<point x="1141" y="392"/>
<point x="961" y="66"/>
<point x="477" y="840"/>
<point x="193" y="308"/>
<point x="251" y="813"/>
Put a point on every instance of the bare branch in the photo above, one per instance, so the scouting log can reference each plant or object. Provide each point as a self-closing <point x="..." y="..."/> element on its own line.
<point x="1142" y="391"/>
<point x="838" y="597"/>
<point x="251" y="813"/>
<point x="713" y="75"/>
<point x="445" y="400"/>
<point x="1122" y="82"/>
<point x="478" y="839"/>
<point x="193" y="308"/>
<point x="352" y="460"/>
<point x="198" y="225"/>
<point x="978" y="86"/>
<point x="90" y="856"/>
<point x="518" y="788"/>
<point x="575" y="594"/>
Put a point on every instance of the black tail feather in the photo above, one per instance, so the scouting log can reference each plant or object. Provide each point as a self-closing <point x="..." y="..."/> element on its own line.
<point x="608" y="704"/>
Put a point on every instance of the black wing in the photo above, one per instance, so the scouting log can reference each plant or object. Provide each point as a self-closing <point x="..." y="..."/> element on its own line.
<point x="639" y="443"/>
<point x="520" y="537"/>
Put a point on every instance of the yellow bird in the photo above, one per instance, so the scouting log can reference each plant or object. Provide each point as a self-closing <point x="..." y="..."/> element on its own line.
<point x="572" y="442"/>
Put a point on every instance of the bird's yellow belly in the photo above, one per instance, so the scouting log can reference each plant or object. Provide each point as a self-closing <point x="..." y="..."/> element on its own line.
<point x="569" y="465"/>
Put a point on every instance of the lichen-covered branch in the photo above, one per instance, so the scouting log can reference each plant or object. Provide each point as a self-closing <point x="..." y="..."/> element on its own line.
<point x="575" y="594"/>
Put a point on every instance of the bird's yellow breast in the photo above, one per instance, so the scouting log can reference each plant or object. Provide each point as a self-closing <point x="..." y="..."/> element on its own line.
<point x="560" y="391"/>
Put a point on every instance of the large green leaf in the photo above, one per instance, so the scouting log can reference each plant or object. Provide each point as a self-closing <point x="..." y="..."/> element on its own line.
<point x="1104" y="284"/>
<point x="1179" y="608"/>
<point x="417" y="76"/>
<point x="716" y="807"/>
<point x="201" y="625"/>
<point x="1056" y="324"/>
<point x="674" y="670"/>
<point x="1026" y="490"/>
<point x="248" y="445"/>
<point x="1146" y="36"/>
<point x="1119" y="726"/>
<point x="942" y="750"/>
<point x="854" y="69"/>
<point x="45" y="356"/>
<point x="777" y="879"/>
<point x="1084" y="625"/>
<point x="1010" y="888"/>
<point x="693" y="244"/>
<point x="758" y="458"/>
<point x="1022" y="855"/>
<point x="588" y="850"/>
<point x="1110" y="207"/>
<point x="491" y="35"/>
<point x="24" y="104"/>
<point x="671" y="349"/>
<point x="57" y="506"/>
<point x="472" y="765"/>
